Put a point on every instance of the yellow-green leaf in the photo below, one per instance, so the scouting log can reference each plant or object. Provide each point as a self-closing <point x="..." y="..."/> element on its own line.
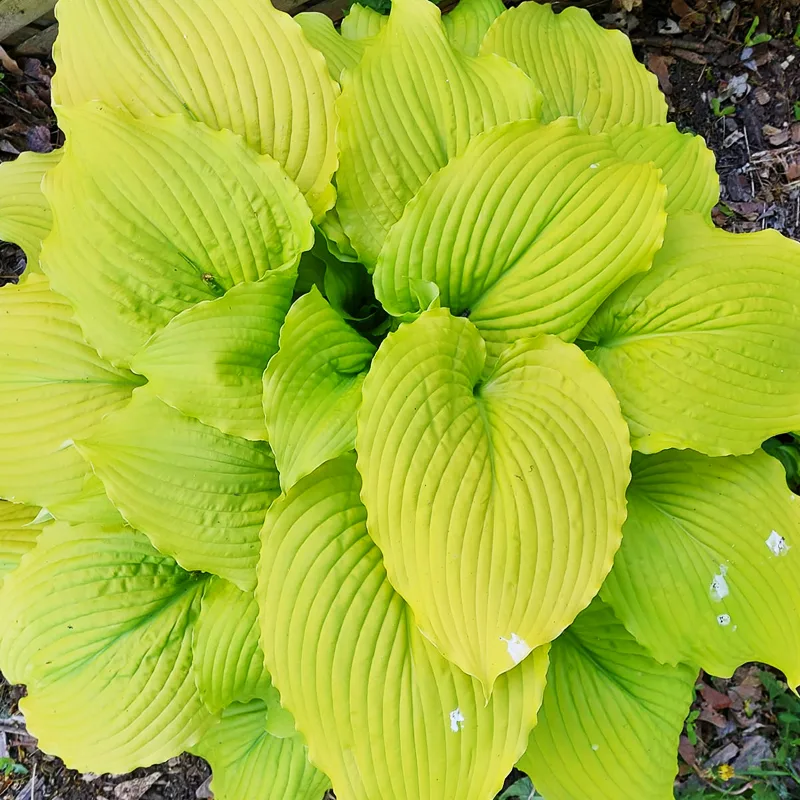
<point x="496" y="499"/>
<point x="199" y="494"/>
<point x="208" y="362"/>
<point x="703" y="351"/>
<point x="228" y="660"/>
<point x="707" y="571"/>
<point x="25" y="217"/>
<point x="248" y="763"/>
<point x="467" y="23"/>
<point x="179" y="214"/>
<point x="20" y="527"/>
<point x="386" y="717"/>
<point x="53" y="388"/>
<point x="312" y="388"/>
<point x="98" y="625"/>
<point x="528" y="232"/>
<point x="411" y="104"/>
<point x="611" y="716"/>
<point x="583" y="70"/>
<point x="688" y="167"/>
<point x="363" y="22"/>
<point x="235" y="64"/>
<point x="340" y="53"/>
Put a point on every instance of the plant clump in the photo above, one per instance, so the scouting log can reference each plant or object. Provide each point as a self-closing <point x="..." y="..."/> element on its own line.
<point x="381" y="408"/>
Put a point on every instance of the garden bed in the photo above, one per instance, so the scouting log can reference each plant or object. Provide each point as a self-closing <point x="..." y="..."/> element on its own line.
<point x="734" y="82"/>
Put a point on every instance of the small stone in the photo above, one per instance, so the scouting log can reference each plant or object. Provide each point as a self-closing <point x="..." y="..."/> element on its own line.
<point x="779" y="138"/>
<point x="204" y="790"/>
<point x="762" y="96"/>
<point x="726" y="9"/>
<point x="135" y="788"/>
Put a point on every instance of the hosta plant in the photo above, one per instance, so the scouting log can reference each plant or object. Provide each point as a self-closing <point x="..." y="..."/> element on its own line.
<point x="380" y="408"/>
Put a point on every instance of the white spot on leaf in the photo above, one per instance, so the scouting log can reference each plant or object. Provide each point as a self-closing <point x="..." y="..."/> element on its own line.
<point x="43" y="516"/>
<point x="517" y="647"/>
<point x="724" y="619"/>
<point x="719" y="586"/>
<point x="593" y="166"/>
<point x="456" y="720"/>
<point x="595" y="747"/>
<point x="777" y="544"/>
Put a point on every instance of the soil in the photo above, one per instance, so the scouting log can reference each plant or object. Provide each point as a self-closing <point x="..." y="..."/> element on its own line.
<point x="724" y="81"/>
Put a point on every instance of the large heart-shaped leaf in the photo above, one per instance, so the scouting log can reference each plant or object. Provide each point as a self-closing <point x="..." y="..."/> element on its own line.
<point x="25" y="217"/>
<point x="707" y="572"/>
<point x="312" y="388"/>
<point x="209" y="360"/>
<point x="53" y="388"/>
<point x="199" y="494"/>
<point x="235" y="64"/>
<point x="179" y="214"/>
<point x="497" y="500"/>
<point x="703" y="351"/>
<point x="227" y="658"/>
<point x="384" y="714"/>
<point x="583" y="70"/>
<point x="411" y="104"/>
<point x="528" y="232"/>
<point x="248" y="763"/>
<point x="611" y="716"/>
<point x="98" y="625"/>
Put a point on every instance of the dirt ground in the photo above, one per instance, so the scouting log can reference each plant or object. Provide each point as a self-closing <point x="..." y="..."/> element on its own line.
<point x="731" y="72"/>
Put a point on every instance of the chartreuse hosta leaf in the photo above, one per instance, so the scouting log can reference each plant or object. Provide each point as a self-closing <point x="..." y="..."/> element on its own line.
<point x="611" y="716"/>
<point x="707" y="572"/>
<point x="209" y="360"/>
<point x="312" y="388"/>
<point x="703" y="351"/>
<point x="496" y="499"/>
<point x="19" y="529"/>
<point x="199" y="494"/>
<point x="25" y="217"/>
<point x="53" y="388"/>
<point x="340" y="53"/>
<point x="248" y="763"/>
<point x="98" y="625"/>
<point x="411" y="104"/>
<point x="228" y="661"/>
<point x="179" y="213"/>
<point x="512" y="235"/>
<point x="583" y="70"/>
<point x="386" y="717"/>
<point x="467" y="23"/>
<point x="688" y="167"/>
<point x="235" y="64"/>
<point x="362" y="22"/>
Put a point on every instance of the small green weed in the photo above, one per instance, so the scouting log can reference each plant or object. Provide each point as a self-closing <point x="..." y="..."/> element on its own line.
<point x="691" y="728"/>
<point x="716" y="107"/>
<point x="752" y="38"/>
<point x="10" y="769"/>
